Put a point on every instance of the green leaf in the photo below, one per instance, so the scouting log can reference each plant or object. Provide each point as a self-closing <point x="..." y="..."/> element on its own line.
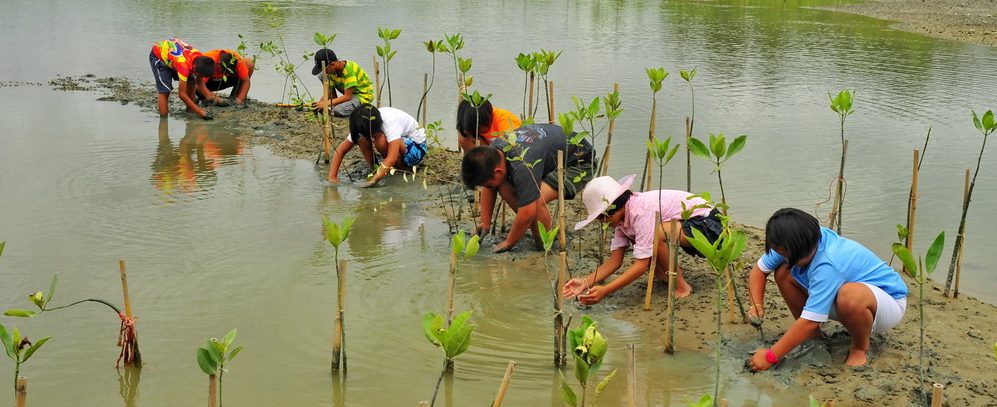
<point x="988" y="121"/>
<point x="207" y="362"/>
<point x="380" y="51"/>
<point x="736" y="146"/>
<point x="905" y="257"/>
<point x="51" y="291"/>
<point x="432" y="324"/>
<point x="396" y="33"/>
<point x="2" y="244"/>
<point x="702" y="244"/>
<point x="458" y="242"/>
<point x="332" y="232"/>
<point x="21" y="313"/>
<point x="457" y="337"/>
<point x="738" y="241"/>
<point x="344" y="229"/>
<point x="976" y="122"/>
<point x="7" y="341"/>
<point x="569" y="397"/>
<point x="593" y="109"/>
<point x="581" y="370"/>
<point x="698" y="148"/>
<point x="234" y="352"/>
<point x="671" y="154"/>
<point x="599" y="388"/>
<point x="391" y="55"/>
<point x="934" y="253"/>
<point x="218" y="350"/>
<point x="473" y="244"/>
<point x="718" y="145"/>
<point x="34" y="347"/>
<point x="705" y="401"/>
<point x="229" y="338"/>
<point x="901" y="232"/>
<point x="319" y="39"/>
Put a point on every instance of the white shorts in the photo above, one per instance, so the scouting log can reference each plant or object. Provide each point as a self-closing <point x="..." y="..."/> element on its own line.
<point x="889" y="310"/>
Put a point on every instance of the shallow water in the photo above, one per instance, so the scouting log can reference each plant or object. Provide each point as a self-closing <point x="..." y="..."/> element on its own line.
<point x="218" y="235"/>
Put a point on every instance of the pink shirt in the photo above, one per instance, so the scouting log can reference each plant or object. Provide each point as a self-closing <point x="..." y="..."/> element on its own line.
<point x="637" y="227"/>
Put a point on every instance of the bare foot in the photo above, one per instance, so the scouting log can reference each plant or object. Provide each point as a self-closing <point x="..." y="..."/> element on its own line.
<point x="682" y="290"/>
<point x="856" y="357"/>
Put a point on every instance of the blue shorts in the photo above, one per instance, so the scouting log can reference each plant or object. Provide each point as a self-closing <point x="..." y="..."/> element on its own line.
<point x="414" y="153"/>
<point x="164" y="75"/>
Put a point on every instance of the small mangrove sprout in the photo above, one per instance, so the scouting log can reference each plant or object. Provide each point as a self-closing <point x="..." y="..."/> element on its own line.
<point x="656" y="77"/>
<point x="432" y="47"/>
<point x="589" y="348"/>
<point x="452" y="44"/>
<point x="213" y="360"/>
<point x="18" y="348"/>
<point x="662" y="152"/>
<point x="842" y="105"/>
<point x="547" y="237"/>
<point x="526" y="63"/>
<point x="453" y="339"/>
<point x="386" y="53"/>
<point x="718" y="153"/>
<point x="336" y="234"/>
<point x="689" y="122"/>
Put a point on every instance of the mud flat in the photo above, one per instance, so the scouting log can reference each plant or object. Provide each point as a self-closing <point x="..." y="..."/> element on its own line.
<point x="973" y="21"/>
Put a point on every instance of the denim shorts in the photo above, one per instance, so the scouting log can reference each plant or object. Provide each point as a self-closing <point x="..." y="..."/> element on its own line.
<point x="164" y="75"/>
<point x="414" y="153"/>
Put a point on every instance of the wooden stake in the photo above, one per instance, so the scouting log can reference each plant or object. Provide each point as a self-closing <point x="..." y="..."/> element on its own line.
<point x="502" y="204"/>
<point x="604" y="165"/>
<point x="730" y="296"/>
<point x="654" y="259"/>
<point x="688" y="154"/>
<point x="529" y="111"/>
<point x="212" y="391"/>
<point x="632" y="376"/>
<point x="723" y="403"/>
<point x="562" y="236"/>
<point x="936" y="395"/>
<point x="327" y="128"/>
<point x="839" y="193"/>
<point x="673" y="252"/>
<point x="505" y="384"/>
<point x="912" y="216"/>
<point x="21" y="389"/>
<point x="124" y="288"/>
<point x="550" y="102"/>
<point x="451" y="287"/>
<point x="377" y="80"/>
<point x="339" y="338"/>
<point x="425" y="99"/>
<point x="958" y="264"/>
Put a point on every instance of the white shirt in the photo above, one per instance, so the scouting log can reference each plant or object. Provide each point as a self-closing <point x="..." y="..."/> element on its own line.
<point x="398" y="125"/>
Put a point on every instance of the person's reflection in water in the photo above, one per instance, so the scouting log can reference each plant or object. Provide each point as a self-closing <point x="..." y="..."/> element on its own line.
<point x="190" y="167"/>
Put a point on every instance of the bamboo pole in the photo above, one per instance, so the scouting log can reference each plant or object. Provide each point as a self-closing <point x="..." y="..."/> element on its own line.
<point x="730" y="296"/>
<point x="936" y="395"/>
<point x="21" y="389"/>
<point x="128" y="339"/>
<point x="377" y="80"/>
<point x="632" y="376"/>
<point x="425" y="98"/>
<point x="673" y="252"/>
<point x="688" y="153"/>
<point x="723" y="403"/>
<point x="327" y="127"/>
<point x="912" y="215"/>
<point x="212" y="391"/>
<point x="339" y="340"/>
<point x="839" y="193"/>
<point x="451" y="287"/>
<point x="505" y="384"/>
<point x="604" y="165"/>
<point x="124" y="288"/>
<point x="958" y="264"/>
<point x="529" y="111"/>
<point x="654" y="260"/>
<point x="559" y="345"/>
<point x="550" y="102"/>
<point x="562" y="236"/>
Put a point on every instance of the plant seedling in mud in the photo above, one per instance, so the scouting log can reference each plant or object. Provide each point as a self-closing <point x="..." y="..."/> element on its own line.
<point x="476" y="100"/>
<point x="718" y="153"/>
<point x="453" y="339"/>
<point x="336" y="234"/>
<point x="662" y="152"/>
<point x="547" y="238"/>
<point x="720" y="254"/>
<point x="526" y="63"/>
<point x="655" y="76"/>
<point x="452" y="44"/>
<point x="461" y="249"/>
<point x="213" y="360"/>
<point x="687" y="76"/>
<point x="589" y="349"/>
<point x="386" y="53"/>
<point x="544" y="59"/>
<point x="986" y="126"/>
<point x="432" y="47"/>
<point x="18" y="348"/>
<point x="276" y="18"/>
<point x="920" y="270"/>
<point x="842" y="105"/>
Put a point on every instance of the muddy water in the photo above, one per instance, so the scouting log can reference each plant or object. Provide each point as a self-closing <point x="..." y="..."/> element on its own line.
<point x="220" y="235"/>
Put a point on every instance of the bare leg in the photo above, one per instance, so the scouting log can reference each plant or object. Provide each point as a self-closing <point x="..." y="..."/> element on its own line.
<point x="856" y="310"/>
<point x="163" y="103"/>
<point x="682" y="287"/>
<point x="792" y="293"/>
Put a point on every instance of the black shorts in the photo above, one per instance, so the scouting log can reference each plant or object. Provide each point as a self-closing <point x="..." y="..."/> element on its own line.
<point x="231" y="81"/>
<point x="164" y="75"/>
<point x="708" y="225"/>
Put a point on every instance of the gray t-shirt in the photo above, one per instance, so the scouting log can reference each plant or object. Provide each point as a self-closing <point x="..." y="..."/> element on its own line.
<point x="537" y="146"/>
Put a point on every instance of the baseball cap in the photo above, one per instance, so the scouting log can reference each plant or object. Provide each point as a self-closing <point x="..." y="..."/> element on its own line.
<point x="323" y="55"/>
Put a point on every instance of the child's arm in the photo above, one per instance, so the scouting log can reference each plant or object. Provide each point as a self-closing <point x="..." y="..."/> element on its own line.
<point x="526" y="217"/>
<point x="756" y="287"/>
<point x="337" y="160"/>
<point x="185" y="96"/>
<point x="580" y="285"/>
<point x="802" y="330"/>
<point x="487" y="206"/>
<point x="394" y="152"/>
<point x="598" y="292"/>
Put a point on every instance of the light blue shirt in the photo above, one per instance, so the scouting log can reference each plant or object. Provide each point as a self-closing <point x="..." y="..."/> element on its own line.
<point x="838" y="261"/>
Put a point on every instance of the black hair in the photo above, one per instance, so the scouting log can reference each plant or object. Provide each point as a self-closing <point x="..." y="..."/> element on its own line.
<point x="204" y="66"/>
<point x="794" y="231"/>
<point x="469" y="118"/>
<point x="478" y="165"/>
<point x="227" y="62"/>
<point x="619" y="203"/>
<point x="365" y="122"/>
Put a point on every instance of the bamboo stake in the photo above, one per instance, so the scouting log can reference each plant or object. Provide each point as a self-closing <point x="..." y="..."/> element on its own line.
<point x="688" y="153"/>
<point x="723" y="403"/>
<point x="562" y="236"/>
<point x="912" y="215"/>
<point x="529" y="111"/>
<point x="654" y="259"/>
<point x="673" y="251"/>
<point x="958" y="264"/>
<point x="505" y="384"/>
<point x="327" y="128"/>
<point x="550" y="102"/>
<point x="127" y="339"/>
<point x="730" y="296"/>
<point x="124" y="288"/>
<point x="559" y="345"/>
<point x="212" y="391"/>
<point x="632" y="376"/>
<point x="339" y="341"/>
<point x="22" y="391"/>
<point x="936" y="395"/>
<point x="377" y="80"/>
<point x="425" y="99"/>
<point x="609" y="141"/>
<point x="451" y="287"/>
<point x="839" y="193"/>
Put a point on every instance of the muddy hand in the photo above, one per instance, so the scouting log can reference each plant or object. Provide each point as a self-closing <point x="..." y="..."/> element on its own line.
<point x="502" y="247"/>
<point x="574" y="287"/>
<point x="207" y="117"/>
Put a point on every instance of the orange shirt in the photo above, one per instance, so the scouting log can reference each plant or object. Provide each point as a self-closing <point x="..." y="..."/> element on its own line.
<point x="176" y="54"/>
<point x="502" y="121"/>
<point x="241" y="69"/>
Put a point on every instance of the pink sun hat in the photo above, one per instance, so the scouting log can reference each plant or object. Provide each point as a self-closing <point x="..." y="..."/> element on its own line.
<point x="599" y="193"/>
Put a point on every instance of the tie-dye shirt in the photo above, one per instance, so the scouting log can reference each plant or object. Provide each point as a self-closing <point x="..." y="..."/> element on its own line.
<point x="176" y="54"/>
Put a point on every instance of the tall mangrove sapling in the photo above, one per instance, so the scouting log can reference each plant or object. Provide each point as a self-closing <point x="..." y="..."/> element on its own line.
<point x="336" y="234"/>
<point x="386" y="53"/>
<point x="656" y="77"/>
<point x="842" y="105"/>
<point x="691" y="121"/>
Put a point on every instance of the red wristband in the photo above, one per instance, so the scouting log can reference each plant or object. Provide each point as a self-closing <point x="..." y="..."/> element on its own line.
<point x="771" y="357"/>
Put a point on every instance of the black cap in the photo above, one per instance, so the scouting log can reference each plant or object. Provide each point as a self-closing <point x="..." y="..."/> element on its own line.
<point x="323" y="55"/>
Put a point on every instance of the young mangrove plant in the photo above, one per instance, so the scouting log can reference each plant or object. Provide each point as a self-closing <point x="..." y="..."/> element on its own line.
<point x="127" y="334"/>
<point x="718" y="153"/>
<point x="547" y="237"/>
<point x="453" y="339"/>
<point x="720" y="254"/>
<point x="920" y="270"/>
<point x="276" y="18"/>
<point x="544" y="60"/>
<point x="689" y="122"/>
<point x="213" y="360"/>
<point x="842" y="105"/>
<point x="336" y="234"/>
<point x="612" y="106"/>
<point x="386" y="53"/>
<point x="986" y="126"/>
<point x="662" y="152"/>
<point x="18" y="348"/>
<point x="589" y="349"/>
<point x="452" y="44"/>
<point x="656" y="77"/>
<point x="526" y="63"/>
<point x="461" y="249"/>
<point x="432" y="47"/>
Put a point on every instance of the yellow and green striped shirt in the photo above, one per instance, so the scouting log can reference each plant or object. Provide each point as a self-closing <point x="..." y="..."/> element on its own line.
<point x="354" y="77"/>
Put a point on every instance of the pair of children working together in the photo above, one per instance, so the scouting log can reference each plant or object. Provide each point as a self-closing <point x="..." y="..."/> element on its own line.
<point x="820" y="274"/>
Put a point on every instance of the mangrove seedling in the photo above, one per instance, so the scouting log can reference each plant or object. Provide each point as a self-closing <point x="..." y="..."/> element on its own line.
<point x="386" y="53"/>
<point x="547" y="237"/>
<point x="920" y="270"/>
<point x="656" y="76"/>
<point x="612" y="105"/>
<point x="476" y="100"/>
<point x="18" y="348"/>
<point x="432" y="47"/>
<point x="293" y="84"/>
<point x="451" y="44"/>
<point x="720" y="254"/>
<point x="687" y="76"/>
<point x="461" y="249"/>
<point x="336" y="234"/>
<point x="718" y="153"/>
<point x="453" y="339"/>
<point x="842" y="105"/>
<point x="662" y="152"/>
<point x="526" y="63"/>
<point x="127" y="335"/>
<point x="544" y="60"/>
<point x="213" y="360"/>
<point x="589" y="348"/>
<point x="986" y="126"/>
